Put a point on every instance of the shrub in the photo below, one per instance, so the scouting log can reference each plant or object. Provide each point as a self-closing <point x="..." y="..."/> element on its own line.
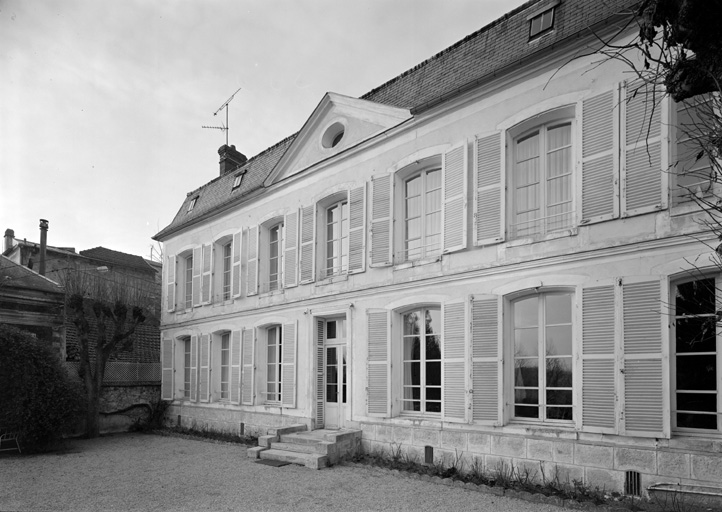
<point x="40" y="401"/>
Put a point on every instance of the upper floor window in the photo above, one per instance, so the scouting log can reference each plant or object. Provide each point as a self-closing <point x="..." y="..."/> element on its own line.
<point x="336" y="228"/>
<point x="192" y="204"/>
<point x="275" y="257"/>
<point x="422" y="215"/>
<point x="541" y="23"/>
<point x="422" y="360"/>
<point x="188" y="284"/>
<point x="237" y="181"/>
<point x="227" y="270"/>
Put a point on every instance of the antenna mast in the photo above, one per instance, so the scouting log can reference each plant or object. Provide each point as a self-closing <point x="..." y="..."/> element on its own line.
<point x="225" y="105"/>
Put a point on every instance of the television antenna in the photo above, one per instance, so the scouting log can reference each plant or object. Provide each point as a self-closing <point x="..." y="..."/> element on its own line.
<point x="223" y="127"/>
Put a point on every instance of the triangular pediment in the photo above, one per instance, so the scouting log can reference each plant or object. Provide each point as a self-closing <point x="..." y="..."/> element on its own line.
<point x="337" y="124"/>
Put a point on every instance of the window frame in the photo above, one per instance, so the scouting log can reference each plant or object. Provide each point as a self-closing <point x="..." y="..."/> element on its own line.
<point x="187" y="358"/>
<point x="424" y="384"/>
<point x="541" y="17"/>
<point x="277" y="364"/>
<point x="187" y="281"/>
<point x="265" y="258"/>
<point x="341" y="201"/>
<point x="224" y="349"/>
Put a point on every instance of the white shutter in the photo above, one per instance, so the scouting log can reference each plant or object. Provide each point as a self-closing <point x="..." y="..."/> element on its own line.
<point x="489" y="183"/>
<point x="600" y="164"/>
<point x="646" y="404"/>
<point x="170" y="294"/>
<point x="357" y="229"/>
<point x="377" y="366"/>
<point x="320" y="372"/>
<point x="644" y="177"/>
<point x="235" y="379"/>
<point x="454" y="357"/>
<point x="204" y="387"/>
<point x="288" y="364"/>
<point x="381" y="221"/>
<point x="206" y="281"/>
<point x="166" y="360"/>
<point x="248" y="367"/>
<point x="236" y="265"/>
<point x="290" y="252"/>
<point x="194" y="368"/>
<point x="252" y="261"/>
<point x="486" y="361"/>
<point x="455" y="170"/>
<point x="196" y="290"/>
<point x="308" y="244"/>
<point x="599" y="369"/>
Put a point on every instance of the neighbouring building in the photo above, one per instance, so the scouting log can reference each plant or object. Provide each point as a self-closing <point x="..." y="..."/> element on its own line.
<point x="486" y="256"/>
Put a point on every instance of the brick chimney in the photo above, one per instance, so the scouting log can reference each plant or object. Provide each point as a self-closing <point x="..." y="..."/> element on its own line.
<point x="230" y="159"/>
<point x="9" y="240"/>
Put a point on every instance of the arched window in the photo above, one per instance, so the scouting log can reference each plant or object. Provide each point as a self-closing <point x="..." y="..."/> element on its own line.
<point x="421" y="360"/>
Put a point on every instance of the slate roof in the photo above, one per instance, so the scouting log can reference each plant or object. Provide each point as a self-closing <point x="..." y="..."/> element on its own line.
<point x="116" y="258"/>
<point x="13" y="275"/>
<point x="491" y="51"/>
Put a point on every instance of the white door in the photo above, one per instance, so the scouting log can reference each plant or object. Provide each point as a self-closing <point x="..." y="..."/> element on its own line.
<point x="335" y="374"/>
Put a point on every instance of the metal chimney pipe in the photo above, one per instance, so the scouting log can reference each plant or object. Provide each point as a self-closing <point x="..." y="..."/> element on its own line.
<point x="43" y="245"/>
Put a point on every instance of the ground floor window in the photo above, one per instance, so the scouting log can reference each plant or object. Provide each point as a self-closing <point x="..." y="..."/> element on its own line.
<point x="225" y="366"/>
<point x="187" y="368"/>
<point x="422" y="360"/>
<point x="273" y="364"/>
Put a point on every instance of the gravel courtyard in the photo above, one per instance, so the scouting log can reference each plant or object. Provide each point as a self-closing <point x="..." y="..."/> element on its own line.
<point x="156" y="473"/>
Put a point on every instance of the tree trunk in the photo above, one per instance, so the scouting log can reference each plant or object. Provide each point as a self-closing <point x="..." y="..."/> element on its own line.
<point x="92" y="416"/>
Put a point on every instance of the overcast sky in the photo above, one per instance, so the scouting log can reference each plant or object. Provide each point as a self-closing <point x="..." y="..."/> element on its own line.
<point x="102" y="102"/>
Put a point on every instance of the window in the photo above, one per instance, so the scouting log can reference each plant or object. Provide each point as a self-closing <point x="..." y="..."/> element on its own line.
<point x="273" y="364"/>
<point x="541" y="23"/>
<point x="188" y="285"/>
<point x="275" y="241"/>
<point x="697" y="400"/>
<point x="542" y="354"/>
<point x="693" y="172"/>
<point x="227" y="271"/>
<point x="237" y="181"/>
<point x="541" y="177"/>
<point x="422" y="360"/>
<point x="192" y="204"/>
<point x="225" y="366"/>
<point x="187" y="368"/>
<point x="336" y="228"/>
<point x="333" y="135"/>
<point x="422" y="215"/>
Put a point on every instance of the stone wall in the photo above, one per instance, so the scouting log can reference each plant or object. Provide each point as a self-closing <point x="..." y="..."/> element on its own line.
<point x="123" y="405"/>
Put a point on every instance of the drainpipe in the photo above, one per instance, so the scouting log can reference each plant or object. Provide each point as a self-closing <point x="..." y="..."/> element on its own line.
<point x="43" y="245"/>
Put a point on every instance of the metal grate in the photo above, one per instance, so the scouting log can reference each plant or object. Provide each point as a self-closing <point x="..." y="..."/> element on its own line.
<point x="632" y="483"/>
<point x="123" y="372"/>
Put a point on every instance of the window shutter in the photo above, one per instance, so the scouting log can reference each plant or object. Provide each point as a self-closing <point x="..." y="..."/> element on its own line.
<point x="252" y="261"/>
<point x="320" y="372"/>
<point x="377" y="366"/>
<point x="290" y="252"/>
<point x="205" y="376"/>
<point x="489" y="184"/>
<point x="236" y="265"/>
<point x="454" y="369"/>
<point x="599" y="374"/>
<point x="170" y="283"/>
<point x="644" y="176"/>
<point x="248" y="367"/>
<point x="196" y="290"/>
<point x="288" y="364"/>
<point x="166" y="360"/>
<point x="381" y="221"/>
<point x="486" y="359"/>
<point x="357" y="229"/>
<point x="600" y="165"/>
<point x="206" y="278"/>
<point x="235" y="383"/>
<point x="646" y="409"/>
<point x="194" y="368"/>
<point x="455" y="169"/>
<point x="308" y="244"/>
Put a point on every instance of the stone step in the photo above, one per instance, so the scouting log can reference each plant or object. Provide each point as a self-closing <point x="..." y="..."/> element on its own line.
<point x="310" y="460"/>
<point x="301" y="438"/>
<point x="300" y="448"/>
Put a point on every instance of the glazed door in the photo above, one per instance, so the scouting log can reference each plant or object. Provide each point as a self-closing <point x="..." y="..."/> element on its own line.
<point x="335" y="374"/>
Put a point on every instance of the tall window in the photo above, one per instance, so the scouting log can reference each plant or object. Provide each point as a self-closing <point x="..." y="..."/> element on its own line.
<point x="697" y="398"/>
<point x="542" y="180"/>
<point x="225" y="365"/>
<point x="189" y="283"/>
<point x="273" y="364"/>
<point x="422" y="360"/>
<point x="187" y="368"/>
<point x="693" y="172"/>
<point x="337" y="238"/>
<point x="542" y="331"/>
<point x="275" y="237"/>
<point x="227" y="271"/>
<point x="422" y="215"/>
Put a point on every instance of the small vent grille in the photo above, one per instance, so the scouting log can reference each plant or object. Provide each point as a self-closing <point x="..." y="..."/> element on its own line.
<point x="632" y="483"/>
<point x="428" y="454"/>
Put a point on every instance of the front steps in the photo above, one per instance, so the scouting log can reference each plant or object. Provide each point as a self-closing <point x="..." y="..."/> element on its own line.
<point x="316" y="449"/>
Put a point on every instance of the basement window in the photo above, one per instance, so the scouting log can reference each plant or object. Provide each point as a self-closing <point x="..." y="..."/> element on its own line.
<point x="541" y="22"/>
<point x="192" y="204"/>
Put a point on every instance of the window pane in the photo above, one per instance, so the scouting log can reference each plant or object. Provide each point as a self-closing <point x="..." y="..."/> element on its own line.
<point x="433" y="201"/>
<point x="433" y="179"/>
<point x="331" y="330"/>
<point x="697" y="373"/>
<point x="526" y="396"/>
<point x="559" y="309"/>
<point x="526" y="372"/>
<point x="697" y="402"/>
<point x="696" y="297"/>
<point x="705" y="421"/>
<point x="559" y="372"/>
<point x="526" y="412"/>
<point x="526" y="342"/>
<point x="526" y="312"/>
<point x="433" y="321"/>
<point x="411" y="323"/>
<point x="413" y="229"/>
<point x="331" y="356"/>
<point x="559" y="136"/>
<point x="331" y="375"/>
<point x="433" y="374"/>
<point x="559" y="340"/>
<point x="559" y="413"/>
<point x="332" y="393"/>
<point x="558" y="397"/>
<point x="696" y="334"/>
<point x="412" y="374"/>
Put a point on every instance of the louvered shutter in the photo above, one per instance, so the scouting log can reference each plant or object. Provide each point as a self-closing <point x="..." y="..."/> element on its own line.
<point x="454" y="369"/>
<point x="248" y="367"/>
<point x="170" y="292"/>
<point x="486" y="373"/>
<point x="204" y="387"/>
<point x="599" y="373"/>
<point x="377" y="366"/>
<point x="196" y="289"/>
<point x="290" y="251"/>
<point x="455" y="169"/>
<point x="320" y="373"/>
<point x="489" y="183"/>
<point x="646" y="409"/>
<point x="236" y="265"/>
<point x="288" y="364"/>
<point x="252" y="261"/>
<point x="235" y="383"/>
<point x="381" y="221"/>
<point x="206" y="281"/>
<point x="600" y="164"/>
<point x="308" y="244"/>
<point x="644" y="177"/>
<point x="166" y="361"/>
<point x="357" y="229"/>
<point x="194" y="368"/>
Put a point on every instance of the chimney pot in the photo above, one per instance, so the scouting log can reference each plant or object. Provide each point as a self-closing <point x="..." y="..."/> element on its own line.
<point x="230" y="159"/>
<point x="9" y="240"/>
<point x="43" y="245"/>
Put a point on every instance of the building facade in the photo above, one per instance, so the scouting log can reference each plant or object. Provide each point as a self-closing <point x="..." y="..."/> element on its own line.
<point x="494" y="255"/>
